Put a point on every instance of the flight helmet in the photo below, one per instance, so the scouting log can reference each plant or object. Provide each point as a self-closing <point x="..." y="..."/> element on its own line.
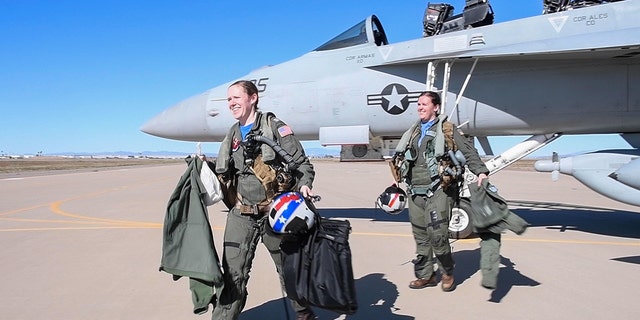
<point x="289" y="214"/>
<point x="392" y="200"/>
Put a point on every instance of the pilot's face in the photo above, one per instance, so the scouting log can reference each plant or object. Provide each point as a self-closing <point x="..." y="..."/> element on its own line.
<point x="241" y="104"/>
<point x="426" y="109"/>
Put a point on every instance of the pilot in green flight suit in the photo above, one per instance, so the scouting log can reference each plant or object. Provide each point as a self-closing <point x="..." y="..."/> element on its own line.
<point x="247" y="221"/>
<point x="431" y="198"/>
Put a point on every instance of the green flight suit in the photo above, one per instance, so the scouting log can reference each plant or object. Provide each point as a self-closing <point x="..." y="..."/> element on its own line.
<point x="243" y="232"/>
<point x="430" y="205"/>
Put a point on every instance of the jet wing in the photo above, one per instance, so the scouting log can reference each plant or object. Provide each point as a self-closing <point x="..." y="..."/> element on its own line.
<point x="603" y="30"/>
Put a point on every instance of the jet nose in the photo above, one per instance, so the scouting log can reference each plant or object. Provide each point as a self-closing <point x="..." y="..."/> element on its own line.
<point x="185" y="121"/>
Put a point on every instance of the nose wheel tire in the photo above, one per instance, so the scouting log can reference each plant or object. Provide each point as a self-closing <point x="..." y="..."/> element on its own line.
<point x="460" y="225"/>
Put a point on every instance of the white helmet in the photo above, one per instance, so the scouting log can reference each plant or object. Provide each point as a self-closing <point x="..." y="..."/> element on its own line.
<point x="289" y="214"/>
<point x="392" y="200"/>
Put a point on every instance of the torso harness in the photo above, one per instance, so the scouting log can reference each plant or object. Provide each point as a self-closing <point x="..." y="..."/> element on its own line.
<point x="427" y="166"/>
<point x="260" y="154"/>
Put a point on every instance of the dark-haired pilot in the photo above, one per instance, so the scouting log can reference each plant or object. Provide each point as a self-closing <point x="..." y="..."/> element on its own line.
<point x="431" y="194"/>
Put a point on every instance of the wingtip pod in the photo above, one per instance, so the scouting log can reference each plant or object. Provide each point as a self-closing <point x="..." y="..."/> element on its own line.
<point x="551" y="165"/>
<point x="595" y="170"/>
<point x="555" y="166"/>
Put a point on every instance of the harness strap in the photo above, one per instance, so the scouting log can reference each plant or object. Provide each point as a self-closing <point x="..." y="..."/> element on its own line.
<point x="430" y="224"/>
<point x="425" y="190"/>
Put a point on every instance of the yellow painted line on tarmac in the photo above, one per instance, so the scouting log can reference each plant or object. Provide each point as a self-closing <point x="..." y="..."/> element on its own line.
<point x="77" y="228"/>
<point x="55" y="207"/>
<point x="22" y="209"/>
<point x="585" y="242"/>
<point x="377" y="234"/>
<point x="47" y="221"/>
<point x="151" y="225"/>
<point x="615" y="243"/>
<point x="148" y="225"/>
<point x="127" y="224"/>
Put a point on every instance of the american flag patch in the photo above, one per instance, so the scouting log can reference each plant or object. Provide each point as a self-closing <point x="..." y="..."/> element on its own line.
<point x="284" y="131"/>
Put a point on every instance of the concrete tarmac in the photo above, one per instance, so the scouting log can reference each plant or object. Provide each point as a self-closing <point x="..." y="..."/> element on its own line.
<point x="87" y="245"/>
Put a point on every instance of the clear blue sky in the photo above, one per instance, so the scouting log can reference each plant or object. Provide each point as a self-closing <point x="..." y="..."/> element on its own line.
<point x="83" y="76"/>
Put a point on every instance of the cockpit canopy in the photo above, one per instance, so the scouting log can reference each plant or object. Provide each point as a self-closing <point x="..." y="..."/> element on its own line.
<point x="368" y="30"/>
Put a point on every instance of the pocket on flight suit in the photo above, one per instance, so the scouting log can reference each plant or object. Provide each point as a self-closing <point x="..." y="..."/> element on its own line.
<point x="239" y="239"/>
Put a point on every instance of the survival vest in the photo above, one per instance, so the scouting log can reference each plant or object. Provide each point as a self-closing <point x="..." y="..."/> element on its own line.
<point x="443" y="142"/>
<point x="263" y="165"/>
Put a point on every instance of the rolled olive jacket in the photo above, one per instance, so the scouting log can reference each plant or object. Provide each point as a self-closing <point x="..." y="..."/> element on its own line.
<point x="188" y="249"/>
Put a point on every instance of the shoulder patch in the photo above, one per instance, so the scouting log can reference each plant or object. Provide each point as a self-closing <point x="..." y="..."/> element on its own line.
<point x="235" y="144"/>
<point x="285" y="131"/>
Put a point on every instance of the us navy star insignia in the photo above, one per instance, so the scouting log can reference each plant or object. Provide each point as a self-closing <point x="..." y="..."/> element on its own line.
<point x="394" y="99"/>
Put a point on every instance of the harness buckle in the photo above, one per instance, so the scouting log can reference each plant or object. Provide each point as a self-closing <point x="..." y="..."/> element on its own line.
<point x="252" y="210"/>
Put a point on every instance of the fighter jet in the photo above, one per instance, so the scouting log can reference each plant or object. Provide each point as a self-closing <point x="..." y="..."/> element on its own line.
<point x="574" y="69"/>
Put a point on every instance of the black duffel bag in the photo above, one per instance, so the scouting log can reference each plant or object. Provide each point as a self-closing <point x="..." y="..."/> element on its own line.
<point x="317" y="267"/>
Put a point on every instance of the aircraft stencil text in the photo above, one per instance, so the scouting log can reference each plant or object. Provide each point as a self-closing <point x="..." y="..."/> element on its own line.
<point x="591" y="19"/>
<point x="360" y="58"/>
<point x="261" y="84"/>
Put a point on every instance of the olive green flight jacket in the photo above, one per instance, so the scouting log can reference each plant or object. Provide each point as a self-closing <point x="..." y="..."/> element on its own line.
<point x="188" y="249"/>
